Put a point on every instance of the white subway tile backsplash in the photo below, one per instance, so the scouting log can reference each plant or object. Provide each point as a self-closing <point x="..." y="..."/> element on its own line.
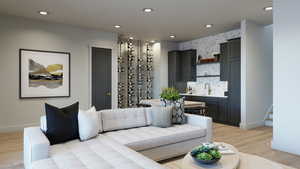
<point x="208" y="69"/>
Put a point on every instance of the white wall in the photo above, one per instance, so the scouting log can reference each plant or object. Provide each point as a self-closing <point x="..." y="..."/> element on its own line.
<point x="256" y="73"/>
<point x="286" y="124"/>
<point x="18" y="33"/>
<point x="160" y="51"/>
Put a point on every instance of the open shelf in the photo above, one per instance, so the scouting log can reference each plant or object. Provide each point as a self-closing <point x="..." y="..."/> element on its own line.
<point x="208" y="76"/>
<point x="208" y="63"/>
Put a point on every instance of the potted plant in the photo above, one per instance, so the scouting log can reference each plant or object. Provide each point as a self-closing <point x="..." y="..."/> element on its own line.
<point x="171" y="97"/>
<point x="170" y="94"/>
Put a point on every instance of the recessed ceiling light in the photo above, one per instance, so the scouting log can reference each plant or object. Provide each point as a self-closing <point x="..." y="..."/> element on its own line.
<point x="131" y="38"/>
<point x="43" y="13"/>
<point x="209" y="26"/>
<point x="153" y="41"/>
<point x="117" y="26"/>
<point x="147" y="10"/>
<point x="172" y="36"/>
<point x="268" y="8"/>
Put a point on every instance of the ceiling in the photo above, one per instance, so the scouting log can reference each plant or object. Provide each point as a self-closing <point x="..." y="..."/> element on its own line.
<point x="184" y="18"/>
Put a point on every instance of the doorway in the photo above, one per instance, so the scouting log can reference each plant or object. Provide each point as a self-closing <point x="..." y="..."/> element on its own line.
<point x="101" y="77"/>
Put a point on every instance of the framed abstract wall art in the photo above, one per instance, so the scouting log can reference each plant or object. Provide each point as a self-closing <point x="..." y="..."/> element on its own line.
<point x="44" y="74"/>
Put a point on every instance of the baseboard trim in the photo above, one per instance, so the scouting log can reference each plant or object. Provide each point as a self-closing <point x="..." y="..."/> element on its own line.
<point x="253" y="125"/>
<point x="284" y="148"/>
<point x="13" y="128"/>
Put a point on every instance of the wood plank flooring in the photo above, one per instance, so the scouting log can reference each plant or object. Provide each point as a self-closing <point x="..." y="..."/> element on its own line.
<point x="256" y="141"/>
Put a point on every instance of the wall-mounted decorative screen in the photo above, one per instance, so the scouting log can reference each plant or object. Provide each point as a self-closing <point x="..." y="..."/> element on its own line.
<point x="135" y="70"/>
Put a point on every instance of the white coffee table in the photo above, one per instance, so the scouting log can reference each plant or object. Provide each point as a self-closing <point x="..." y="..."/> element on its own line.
<point x="228" y="161"/>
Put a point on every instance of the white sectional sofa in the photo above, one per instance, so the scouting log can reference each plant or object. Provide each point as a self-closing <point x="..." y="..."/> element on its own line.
<point x="126" y="140"/>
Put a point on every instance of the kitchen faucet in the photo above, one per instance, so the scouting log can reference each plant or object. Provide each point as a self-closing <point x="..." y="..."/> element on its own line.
<point x="208" y="87"/>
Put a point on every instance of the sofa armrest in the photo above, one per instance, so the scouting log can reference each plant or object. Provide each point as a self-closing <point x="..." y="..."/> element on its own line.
<point x="201" y="121"/>
<point x="36" y="146"/>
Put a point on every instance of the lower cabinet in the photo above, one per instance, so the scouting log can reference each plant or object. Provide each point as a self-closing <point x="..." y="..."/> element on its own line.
<point x="217" y="109"/>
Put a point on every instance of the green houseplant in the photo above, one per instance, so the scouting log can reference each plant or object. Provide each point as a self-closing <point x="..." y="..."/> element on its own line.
<point x="170" y="94"/>
<point x="171" y="97"/>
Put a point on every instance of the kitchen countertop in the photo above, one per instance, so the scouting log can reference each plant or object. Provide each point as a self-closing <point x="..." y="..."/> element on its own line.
<point x="157" y="102"/>
<point x="199" y="95"/>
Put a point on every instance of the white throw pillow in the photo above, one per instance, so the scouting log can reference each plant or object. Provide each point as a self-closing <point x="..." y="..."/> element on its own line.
<point x="88" y="124"/>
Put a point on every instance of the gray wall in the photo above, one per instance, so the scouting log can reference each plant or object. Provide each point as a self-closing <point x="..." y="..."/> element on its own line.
<point x="18" y="33"/>
<point x="286" y="124"/>
<point x="256" y="73"/>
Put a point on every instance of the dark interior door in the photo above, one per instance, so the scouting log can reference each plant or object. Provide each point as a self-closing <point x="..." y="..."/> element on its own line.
<point x="101" y="78"/>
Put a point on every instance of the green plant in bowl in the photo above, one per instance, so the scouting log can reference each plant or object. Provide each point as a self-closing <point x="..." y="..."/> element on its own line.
<point x="206" y="154"/>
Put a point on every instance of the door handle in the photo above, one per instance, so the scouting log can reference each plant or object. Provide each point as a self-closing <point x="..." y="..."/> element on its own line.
<point x="108" y="94"/>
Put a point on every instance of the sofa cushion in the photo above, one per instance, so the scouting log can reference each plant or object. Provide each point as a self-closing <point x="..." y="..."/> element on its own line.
<point x="148" y="111"/>
<point x="162" y="116"/>
<point x="100" y="153"/>
<point x="144" y="138"/>
<point x="115" y="119"/>
<point x="62" y="123"/>
<point x="88" y="124"/>
<point x="43" y="123"/>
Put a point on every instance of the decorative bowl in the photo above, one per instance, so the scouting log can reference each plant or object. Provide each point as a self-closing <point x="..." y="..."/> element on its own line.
<point x="206" y="153"/>
<point x="206" y="161"/>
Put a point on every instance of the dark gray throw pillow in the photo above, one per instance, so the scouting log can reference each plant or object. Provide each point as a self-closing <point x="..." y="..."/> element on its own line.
<point x="62" y="123"/>
<point x="162" y="116"/>
<point x="178" y="116"/>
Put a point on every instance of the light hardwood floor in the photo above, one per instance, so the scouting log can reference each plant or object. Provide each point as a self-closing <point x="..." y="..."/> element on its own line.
<point x="256" y="141"/>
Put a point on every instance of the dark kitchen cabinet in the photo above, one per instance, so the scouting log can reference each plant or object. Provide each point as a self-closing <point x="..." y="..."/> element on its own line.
<point x="216" y="107"/>
<point x="213" y="109"/>
<point x="188" y="65"/>
<point x="234" y="81"/>
<point x="230" y="67"/>
<point x="223" y="62"/>
<point x="173" y="65"/>
<point x="181" y="68"/>
<point x="223" y="113"/>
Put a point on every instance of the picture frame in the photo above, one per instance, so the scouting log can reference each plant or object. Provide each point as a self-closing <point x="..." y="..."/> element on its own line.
<point x="44" y="74"/>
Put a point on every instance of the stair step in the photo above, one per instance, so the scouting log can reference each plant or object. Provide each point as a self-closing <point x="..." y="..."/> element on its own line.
<point x="271" y="119"/>
<point x="269" y="123"/>
<point x="271" y="115"/>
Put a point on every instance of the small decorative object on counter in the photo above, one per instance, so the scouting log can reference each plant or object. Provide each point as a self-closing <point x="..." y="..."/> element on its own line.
<point x="207" y="153"/>
<point x="171" y="97"/>
<point x="199" y="59"/>
<point x="217" y="56"/>
<point x="190" y="90"/>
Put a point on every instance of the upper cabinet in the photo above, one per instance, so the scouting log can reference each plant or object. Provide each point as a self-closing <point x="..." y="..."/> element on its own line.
<point x="173" y="65"/>
<point x="188" y="65"/>
<point x="223" y="62"/>
<point x="230" y="51"/>
<point x="181" y="68"/>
